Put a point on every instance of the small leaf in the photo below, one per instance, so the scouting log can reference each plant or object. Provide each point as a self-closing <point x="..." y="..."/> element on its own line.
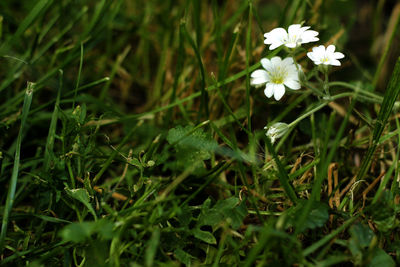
<point x="318" y="216"/>
<point x="81" y="195"/>
<point x="183" y="256"/>
<point x="204" y="236"/>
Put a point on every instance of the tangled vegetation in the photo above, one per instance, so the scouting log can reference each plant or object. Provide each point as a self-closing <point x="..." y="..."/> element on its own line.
<point x="132" y="134"/>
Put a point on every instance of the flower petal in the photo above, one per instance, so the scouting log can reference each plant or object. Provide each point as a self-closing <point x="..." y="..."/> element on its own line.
<point x="334" y="62"/>
<point x="259" y="77"/>
<point x="288" y="61"/>
<point x="292" y="84"/>
<point x="275" y="34"/>
<point x="258" y="74"/>
<point x="338" y="55"/>
<point x="294" y="29"/>
<point x="269" y="90"/>
<point x="275" y="45"/>
<point x="275" y="38"/>
<point x="330" y="49"/>
<point x="266" y="64"/>
<point x="311" y="55"/>
<point x="319" y="50"/>
<point x="309" y="36"/>
<point x="276" y="61"/>
<point x="279" y="91"/>
<point x="291" y="45"/>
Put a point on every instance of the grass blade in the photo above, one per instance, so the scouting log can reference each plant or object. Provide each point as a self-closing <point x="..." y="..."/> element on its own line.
<point x="283" y="176"/>
<point x="52" y="129"/>
<point x="14" y="176"/>
<point x="204" y="94"/>
<point x="391" y="94"/>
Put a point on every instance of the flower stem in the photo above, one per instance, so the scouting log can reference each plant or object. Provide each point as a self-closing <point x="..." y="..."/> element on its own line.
<point x="326" y="83"/>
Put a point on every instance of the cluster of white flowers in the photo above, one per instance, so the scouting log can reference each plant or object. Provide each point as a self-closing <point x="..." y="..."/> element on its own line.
<point x="279" y="73"/>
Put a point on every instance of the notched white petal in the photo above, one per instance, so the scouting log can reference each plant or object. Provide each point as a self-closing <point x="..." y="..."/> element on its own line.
<point x="258" y="74"/>
<point x="338" y="55"/>
<point x="269" y="90"/>
<point x="292" y="84"/>
<point x="279" y="91"/>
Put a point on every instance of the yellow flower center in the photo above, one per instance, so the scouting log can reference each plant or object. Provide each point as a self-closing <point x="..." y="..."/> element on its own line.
<point x="278" y="75"/>
<point x="277" y="80"/>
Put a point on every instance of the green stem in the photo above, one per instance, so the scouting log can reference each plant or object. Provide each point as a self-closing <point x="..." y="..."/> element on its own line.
<point x="326" y="83"/>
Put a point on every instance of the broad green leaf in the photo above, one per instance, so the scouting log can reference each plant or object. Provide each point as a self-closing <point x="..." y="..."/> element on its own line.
<point x="384" y="212"/>
<point x="380" y="258"/>
<point x="79" y="232"/>
<point x="317" y="218"/>
<point x="361" y="234"/>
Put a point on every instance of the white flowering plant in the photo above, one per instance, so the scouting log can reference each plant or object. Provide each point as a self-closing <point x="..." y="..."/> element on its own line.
<point x="279" y="74"/>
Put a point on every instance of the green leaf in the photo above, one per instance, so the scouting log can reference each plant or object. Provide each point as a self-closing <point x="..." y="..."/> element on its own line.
<point x="79" y="232"/>
<point x="381" y="258"/>
<point x="81" y="195"/>
<point x="204" y="236"/>
<point x="361" y="234"/>
<point x="191" y="138"/>
<point x="231" y="210"/>
<point x="384" y="212"/>
<point x="317" y="217"/>
<point x="152" y="246"/>
<point x="183" y="256"/>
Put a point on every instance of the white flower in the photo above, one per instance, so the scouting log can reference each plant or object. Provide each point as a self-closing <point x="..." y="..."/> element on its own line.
<point x="295" y="36"/>
<point x="276" y="131"/>
<point x="327" y="56"/>
<point x="276" y="75"/>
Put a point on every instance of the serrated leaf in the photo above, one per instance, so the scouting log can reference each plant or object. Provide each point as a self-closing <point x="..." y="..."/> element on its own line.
<point x="204" y="236"/>
<point x="195" y="141"/>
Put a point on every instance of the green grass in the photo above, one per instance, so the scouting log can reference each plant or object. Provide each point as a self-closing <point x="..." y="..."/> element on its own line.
<point x="139" y="140"/>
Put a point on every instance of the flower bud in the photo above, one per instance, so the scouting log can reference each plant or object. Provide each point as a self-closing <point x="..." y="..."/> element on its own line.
<point x="276" y="130"/>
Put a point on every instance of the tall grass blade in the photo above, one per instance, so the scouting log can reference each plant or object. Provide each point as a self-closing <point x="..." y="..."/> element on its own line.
<point x="391" y="94"/>
<point x="14" y="177"/>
